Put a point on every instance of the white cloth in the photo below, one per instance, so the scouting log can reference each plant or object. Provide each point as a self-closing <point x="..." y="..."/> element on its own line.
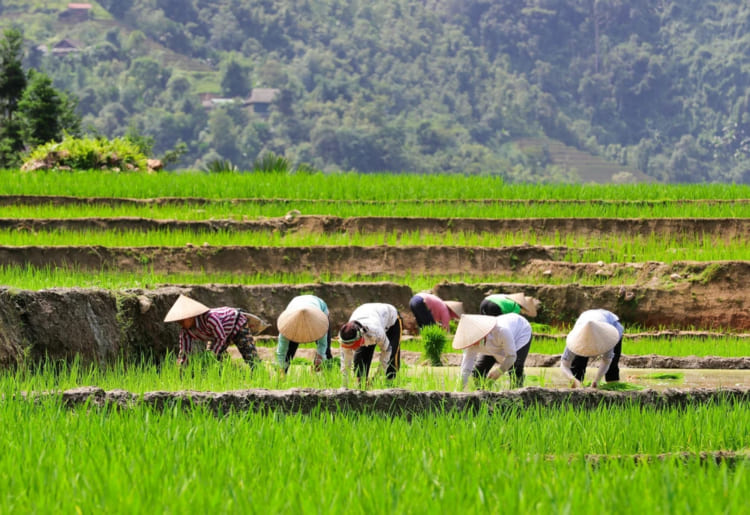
<point x="511" y="332"/>
<point x="376" y="318"/>
<point x="595" y="315"/>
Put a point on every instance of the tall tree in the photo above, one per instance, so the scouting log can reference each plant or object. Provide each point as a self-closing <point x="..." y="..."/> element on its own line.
<point x="12" y="85"/>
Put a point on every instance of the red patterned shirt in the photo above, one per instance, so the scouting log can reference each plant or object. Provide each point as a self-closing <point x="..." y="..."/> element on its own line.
<point x="216" y="325"/>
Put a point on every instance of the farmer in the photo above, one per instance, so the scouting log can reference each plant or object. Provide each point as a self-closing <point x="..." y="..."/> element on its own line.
<point x="597" y="332"/>
<point x="486" y="340"/>
<point x="502" y="304"/>
<point x="218" y="327"/>
<point x="304" y="320"/>
<point x="430" y="309"/>
<point x="372" y="324"/>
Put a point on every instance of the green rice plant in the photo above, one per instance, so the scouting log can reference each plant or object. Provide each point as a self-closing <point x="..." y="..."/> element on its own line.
<point x="620" y="386"/>
<point x="607" y="248"/>
<point x="728" y="346"/>
<point x="37" y="278"/>
<point x="434" y="339"/>
<point x="338" y="186"/>
<point x="249" y="210"/>
<point x="142" y="460"/>
<point x="665" y="376"/>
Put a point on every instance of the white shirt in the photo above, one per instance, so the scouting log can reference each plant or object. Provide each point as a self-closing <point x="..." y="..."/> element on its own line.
<point x="376" y="318"/>
<point x="511" y="332"/>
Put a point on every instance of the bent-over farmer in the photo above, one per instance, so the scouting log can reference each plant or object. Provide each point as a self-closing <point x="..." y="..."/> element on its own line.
<point x="502" y="304"/>
<point x="370" y="325"/>
<point x="430" y="309"/>
<point x="597" y="332"/>
<point x="218" y="327"/>
<point x="486" y="340"/>
<point x="304" y="320"/>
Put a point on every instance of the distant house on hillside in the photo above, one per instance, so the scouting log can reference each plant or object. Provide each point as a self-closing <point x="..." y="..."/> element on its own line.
<point x="258" y="101"/>
<point x="211" y="100"/>
<point x="261" y="98"/>
<point x="76" y="13"/>
<point x="63" y="47"/>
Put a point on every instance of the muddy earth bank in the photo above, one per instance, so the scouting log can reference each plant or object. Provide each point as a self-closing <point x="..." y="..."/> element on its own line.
<point x="396" y="401"/>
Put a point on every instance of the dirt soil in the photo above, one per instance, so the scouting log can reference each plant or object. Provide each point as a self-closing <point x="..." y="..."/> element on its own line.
<point x="395" y="401"/>
<point x="727" y="228"/>
<point x="553" y="360"/>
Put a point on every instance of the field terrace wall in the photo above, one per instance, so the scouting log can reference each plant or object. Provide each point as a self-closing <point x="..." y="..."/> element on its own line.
<point x="719" y="301"/>
<point x="725" y="228"/>
<point x="101" y="326"/>
<point x="242" y="259"/>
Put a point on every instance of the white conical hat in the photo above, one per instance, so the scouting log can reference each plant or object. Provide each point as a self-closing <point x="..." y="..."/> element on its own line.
<point x="471" y="329"/>
<point x="527" y="303"/>
<point x="592" y="338"/>
<point x="185" y="307"/>
<point x="455" y="306"/>
<point x="303" y="325"/>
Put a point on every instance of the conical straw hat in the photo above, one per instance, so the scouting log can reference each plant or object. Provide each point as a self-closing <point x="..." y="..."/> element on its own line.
<point x="592" y="338"/>
<point x="471" y="329"/>
<point x="303" y="325"/>
<point x="527" y="303"/>
<point x="185" y="307"/>
<point x="455" y="306"/>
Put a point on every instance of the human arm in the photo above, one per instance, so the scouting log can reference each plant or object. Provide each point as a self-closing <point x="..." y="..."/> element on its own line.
<point x="347" y="360"/>
<point x="565" y="364"/>
<point x="216" y="328"/>
<point x="186" y="345"/>
<point x="467" y="364"/>
<point x="281" y="349"/>
<point x="603" y="367"/>
<point x="321" y="345"/>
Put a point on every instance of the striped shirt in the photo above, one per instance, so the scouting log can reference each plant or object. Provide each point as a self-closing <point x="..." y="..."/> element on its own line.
<point x="216" y="325"/>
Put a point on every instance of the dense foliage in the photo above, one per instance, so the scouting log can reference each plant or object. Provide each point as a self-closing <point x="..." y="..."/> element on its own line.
<point x="433" y="86"/>
<point x="32" y="111"/>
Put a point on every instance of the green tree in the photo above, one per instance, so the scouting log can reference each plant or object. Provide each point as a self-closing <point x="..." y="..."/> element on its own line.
<point x="12" y="85"/>
<point x="235" y="79"/>
<point x="45" y="113"/>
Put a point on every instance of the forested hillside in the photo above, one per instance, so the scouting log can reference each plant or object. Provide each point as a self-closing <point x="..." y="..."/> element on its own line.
<point x="468" y="86"/>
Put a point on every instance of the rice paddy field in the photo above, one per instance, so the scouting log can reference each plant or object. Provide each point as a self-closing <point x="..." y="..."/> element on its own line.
<point x="98" y="417"/>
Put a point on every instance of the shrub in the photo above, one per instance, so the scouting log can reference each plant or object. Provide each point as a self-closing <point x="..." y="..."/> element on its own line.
<point x="434" y="339"/>
<point x="119" y="154"/>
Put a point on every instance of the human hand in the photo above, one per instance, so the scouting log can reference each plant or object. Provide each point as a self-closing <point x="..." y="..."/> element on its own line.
<point x="595" y="384"/>
<point x="576" y="384"/>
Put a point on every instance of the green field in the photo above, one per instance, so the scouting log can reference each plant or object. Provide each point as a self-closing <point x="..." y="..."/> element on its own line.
<point x="344" y="186"/>
<point x="185" y="459"/>
<point x="139" y="460"/>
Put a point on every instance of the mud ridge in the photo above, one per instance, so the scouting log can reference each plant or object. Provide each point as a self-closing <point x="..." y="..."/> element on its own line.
<point x="364" y="260"/>
<point x="391" y="401"/>
<point x="704" y="457"/>
<point x="450" y="359"/>
<point x="724" y="228"/>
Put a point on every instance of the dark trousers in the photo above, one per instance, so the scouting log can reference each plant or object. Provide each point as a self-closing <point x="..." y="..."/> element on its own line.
<point x="421" y="312"/>
<point x="578" y="366"/>
<point x="487" y="307"/>
<point x="363" y="355"/>
<point x="486" y="362"/>
<point x="292" y="350"/>
<point x="243" y="340"/>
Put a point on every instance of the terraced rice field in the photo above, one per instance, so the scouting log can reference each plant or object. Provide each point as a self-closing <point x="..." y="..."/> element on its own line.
<point x="91" y="262"/>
